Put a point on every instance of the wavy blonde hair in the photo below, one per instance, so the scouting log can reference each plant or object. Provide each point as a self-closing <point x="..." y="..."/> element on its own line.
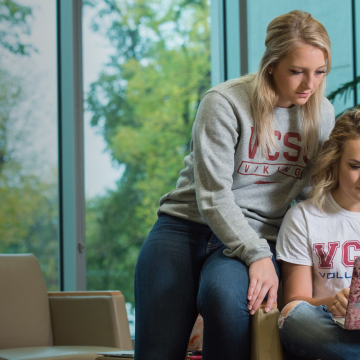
<point x="326" y="175"/>
<point x="284" y="34"/>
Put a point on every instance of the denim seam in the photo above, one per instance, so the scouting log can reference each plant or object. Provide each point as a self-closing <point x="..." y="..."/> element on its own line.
<point x="199" y="305"/>
<point x="199" y="295"/>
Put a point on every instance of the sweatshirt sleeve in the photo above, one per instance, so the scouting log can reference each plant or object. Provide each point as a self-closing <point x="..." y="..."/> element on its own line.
<point x="216" y="133"/>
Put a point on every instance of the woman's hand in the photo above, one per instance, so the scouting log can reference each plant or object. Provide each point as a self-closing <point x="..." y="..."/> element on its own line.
<point x="263" y="280"/>
<point x="340" y="302"/>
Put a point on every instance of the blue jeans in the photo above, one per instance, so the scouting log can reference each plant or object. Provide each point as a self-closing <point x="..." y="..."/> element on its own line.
<point x="182" y="271"/>
<point x="308" y="332"/>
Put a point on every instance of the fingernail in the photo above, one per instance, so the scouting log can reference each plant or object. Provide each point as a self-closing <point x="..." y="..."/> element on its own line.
<point x="267" y="309"/>
<point x="250" y="297"/>
<point x="249" y="307"/>
<point x="252" y="312"/>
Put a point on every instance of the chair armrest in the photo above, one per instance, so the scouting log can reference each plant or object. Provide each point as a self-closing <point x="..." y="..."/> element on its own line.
<point x="265" y="339"/>
<point x="96" y="318"/>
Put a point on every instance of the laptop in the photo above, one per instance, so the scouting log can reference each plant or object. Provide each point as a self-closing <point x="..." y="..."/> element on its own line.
<point x="122" y="354"/>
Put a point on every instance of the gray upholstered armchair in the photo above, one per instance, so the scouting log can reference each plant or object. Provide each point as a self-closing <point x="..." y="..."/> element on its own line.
<point x="35" y="324"/>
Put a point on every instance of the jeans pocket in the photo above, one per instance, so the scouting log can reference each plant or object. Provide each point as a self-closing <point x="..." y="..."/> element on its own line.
<point x="213" y="244"/>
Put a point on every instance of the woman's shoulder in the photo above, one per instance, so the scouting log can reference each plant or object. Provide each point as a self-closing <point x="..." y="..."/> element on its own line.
<point x="327" y="118"/>
<point x="309" y="209"/>
<point x="243" y="81"/>
<point x="304" y="208"/>
<point x="327" y="108"/>
<point x="237" y="92"/>
<point x="234" y="86"/>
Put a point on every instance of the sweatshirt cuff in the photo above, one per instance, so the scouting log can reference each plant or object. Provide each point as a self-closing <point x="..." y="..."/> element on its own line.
<point x="251" y="252"/>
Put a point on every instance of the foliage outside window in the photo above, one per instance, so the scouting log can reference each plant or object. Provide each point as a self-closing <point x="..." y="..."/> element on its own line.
<point x="28" y="196"/>
<point x="144" y="103"/>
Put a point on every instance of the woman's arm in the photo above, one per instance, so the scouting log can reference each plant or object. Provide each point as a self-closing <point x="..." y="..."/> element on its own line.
<point x="297" y="284"/>
<point x="216" y="133"/>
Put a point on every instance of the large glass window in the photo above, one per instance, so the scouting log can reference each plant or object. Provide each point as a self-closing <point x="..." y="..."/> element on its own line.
<point x="28" y="132"/>
<point x="148" y="69"/>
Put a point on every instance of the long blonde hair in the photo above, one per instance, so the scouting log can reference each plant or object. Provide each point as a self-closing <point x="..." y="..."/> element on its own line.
<point x="326" y="175"/>
<point x="284" y="34"/>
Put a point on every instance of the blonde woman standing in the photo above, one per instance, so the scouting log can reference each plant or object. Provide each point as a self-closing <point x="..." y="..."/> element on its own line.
<point x="318" y="242"/>
<point x="211" y="251"/>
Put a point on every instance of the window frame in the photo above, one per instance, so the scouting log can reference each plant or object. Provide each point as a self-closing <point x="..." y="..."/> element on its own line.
<point x="226" y="63"/>
<point x="72" y="251"/>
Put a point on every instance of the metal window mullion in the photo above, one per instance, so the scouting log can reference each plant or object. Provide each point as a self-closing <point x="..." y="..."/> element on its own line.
<point x="229" y="40"/>
<point x="356" y="46"/>
<point x="244" y="48"/>
<point x="71" y="147"/>
<point x="233" y="41"/>
<point x="217" y="43"/>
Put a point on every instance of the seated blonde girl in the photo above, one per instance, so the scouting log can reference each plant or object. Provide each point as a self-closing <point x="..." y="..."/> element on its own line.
<point x="318" y="242"/>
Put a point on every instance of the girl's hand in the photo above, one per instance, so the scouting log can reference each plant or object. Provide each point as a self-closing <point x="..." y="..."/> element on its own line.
<point x="340" y="302"/>
<point x="263" y="280"/>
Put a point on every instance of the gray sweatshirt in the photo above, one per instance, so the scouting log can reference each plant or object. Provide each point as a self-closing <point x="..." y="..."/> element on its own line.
<point x="228" y="184"/>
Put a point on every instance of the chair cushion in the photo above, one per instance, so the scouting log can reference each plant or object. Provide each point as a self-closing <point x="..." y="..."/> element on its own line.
<point x="54" y="353"/>
<point x="90" y="320"/>
<point x="24" y="305"/>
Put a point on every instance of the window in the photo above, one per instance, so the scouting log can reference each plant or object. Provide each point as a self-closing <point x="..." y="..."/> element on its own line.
<point x="149" y="68"/>
<point x="28" y="133"/>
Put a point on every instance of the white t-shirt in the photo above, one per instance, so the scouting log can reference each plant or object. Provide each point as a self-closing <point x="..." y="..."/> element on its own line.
<point x="329" y="241"/>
